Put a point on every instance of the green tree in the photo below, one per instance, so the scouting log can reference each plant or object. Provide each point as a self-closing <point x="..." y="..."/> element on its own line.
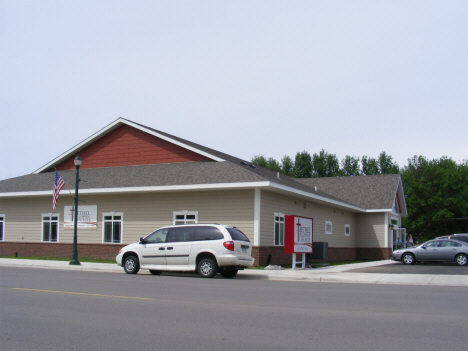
<point x="287" y="165"/>
<point x="370" y="166"/>
<point x="259" y="160"/>
<point x="386" y="164"/>
<point x="325" y="165"/>
<point x="273" y="165"/>
<point x="302" y="165"/>
<point x="436" y="197"/>
<point x="350" y="166"/>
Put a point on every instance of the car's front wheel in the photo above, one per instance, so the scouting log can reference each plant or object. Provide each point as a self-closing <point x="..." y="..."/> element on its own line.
<point x="207" y="268"/>
<point x="461" y="259"/>
<point x="408" y="258"/>
<point x="131" y="265"/>
<point x="229" y="274"/>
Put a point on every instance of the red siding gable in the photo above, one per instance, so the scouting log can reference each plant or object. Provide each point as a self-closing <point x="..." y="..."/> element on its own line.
<point x="128" y="146"/>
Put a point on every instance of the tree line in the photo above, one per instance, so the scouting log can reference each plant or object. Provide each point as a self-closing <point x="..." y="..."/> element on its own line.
<point x="325" y="164"/>
<point x="436" y="191"/>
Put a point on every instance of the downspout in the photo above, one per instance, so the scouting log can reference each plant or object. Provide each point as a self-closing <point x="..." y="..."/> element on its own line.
<point x="257" y="202"/>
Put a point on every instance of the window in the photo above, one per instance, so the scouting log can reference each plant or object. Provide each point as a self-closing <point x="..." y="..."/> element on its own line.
<point x="50" y="227"/>
<point x="112" y="227"/>
<point x="159" y="236"/>
<point x="347" y="230"/>
<point x="2" y="225"/>
<point x="236" y="234"/>
<point x="185" y="217"/>
<point x="328" y="227"/>
<point x="180" y="234"/>
<point x="279" y="229"/>
<point x="207" y="233"/>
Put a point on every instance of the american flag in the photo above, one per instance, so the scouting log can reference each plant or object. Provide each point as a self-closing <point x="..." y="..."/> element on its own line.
<point x="58" y="185"/>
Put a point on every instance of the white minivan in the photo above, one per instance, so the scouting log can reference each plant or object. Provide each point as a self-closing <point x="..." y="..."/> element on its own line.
<point x="203" y="248"/>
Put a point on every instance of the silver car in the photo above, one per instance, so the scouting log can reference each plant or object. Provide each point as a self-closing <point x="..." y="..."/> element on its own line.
<point x="434" y="250"/>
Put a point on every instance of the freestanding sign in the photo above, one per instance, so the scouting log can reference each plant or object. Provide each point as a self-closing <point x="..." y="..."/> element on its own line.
<point x="298" y="236"/>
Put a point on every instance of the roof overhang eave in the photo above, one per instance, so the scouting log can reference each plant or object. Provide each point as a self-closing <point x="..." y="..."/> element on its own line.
<point x="314" y="197"/>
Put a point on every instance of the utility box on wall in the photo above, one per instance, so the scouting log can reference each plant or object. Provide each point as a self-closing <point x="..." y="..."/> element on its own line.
<point x="320" y="251"/>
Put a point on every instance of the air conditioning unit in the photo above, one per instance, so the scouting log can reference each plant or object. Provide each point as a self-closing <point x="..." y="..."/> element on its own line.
<point x="319" y="251"/>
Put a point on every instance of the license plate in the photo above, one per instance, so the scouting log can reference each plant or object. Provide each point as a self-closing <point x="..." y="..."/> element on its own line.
<point x="244" y="249"/>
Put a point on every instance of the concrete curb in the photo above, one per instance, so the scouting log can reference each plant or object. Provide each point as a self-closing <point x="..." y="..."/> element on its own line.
<point x="333" y="274"/>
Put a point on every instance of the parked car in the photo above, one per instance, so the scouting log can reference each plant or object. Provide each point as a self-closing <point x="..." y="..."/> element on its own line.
<point x="460" y="237"/>
<point x="434" y="250"/>
<point x="203" y="248"/>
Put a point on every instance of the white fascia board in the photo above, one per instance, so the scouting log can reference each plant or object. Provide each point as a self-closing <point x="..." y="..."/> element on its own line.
<point x="249" y="185"/>
<point x="185" y="146"/>
<point x="316" y="197"/>
<point x="111" y="127"/>
<point x="380" y="210"/>
<point x="79" y="146"/>
<point x="214" y="186"/>
<point x="401" y="196"/>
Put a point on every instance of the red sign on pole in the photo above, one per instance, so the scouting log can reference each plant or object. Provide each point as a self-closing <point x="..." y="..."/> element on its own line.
<point x="298" y="234"/>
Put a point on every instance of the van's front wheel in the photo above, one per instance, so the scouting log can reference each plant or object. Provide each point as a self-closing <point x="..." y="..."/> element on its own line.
<point x="207" y="268"/>
<point x="131" y="265"/>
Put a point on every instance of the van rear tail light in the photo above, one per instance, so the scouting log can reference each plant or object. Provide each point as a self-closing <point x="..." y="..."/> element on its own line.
<point x="229" y="245"/>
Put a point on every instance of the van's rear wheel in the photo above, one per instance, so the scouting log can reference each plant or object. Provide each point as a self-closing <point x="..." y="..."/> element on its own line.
<point x="229" y="274"/>
<point x="207" y="268"/>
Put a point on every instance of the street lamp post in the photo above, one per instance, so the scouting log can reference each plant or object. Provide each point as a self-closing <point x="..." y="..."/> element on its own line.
<point x="74" y="260"/>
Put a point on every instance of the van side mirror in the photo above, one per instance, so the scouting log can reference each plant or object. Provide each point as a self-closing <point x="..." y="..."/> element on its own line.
<point x="142" y="241"/>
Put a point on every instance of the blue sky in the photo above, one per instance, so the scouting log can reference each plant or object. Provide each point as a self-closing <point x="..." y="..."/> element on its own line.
<point x="245" y="77"/>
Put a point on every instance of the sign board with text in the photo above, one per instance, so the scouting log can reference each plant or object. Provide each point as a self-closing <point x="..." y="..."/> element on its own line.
<point x="87" y="217"/>
<point x="298" y="234"/>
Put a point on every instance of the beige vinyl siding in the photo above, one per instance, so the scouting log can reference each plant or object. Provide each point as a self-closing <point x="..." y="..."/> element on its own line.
<point x="371" y="227"/>
<point x="142" y="213"/>
<point x="273" y="202"/>
<point x="24" y="218"/>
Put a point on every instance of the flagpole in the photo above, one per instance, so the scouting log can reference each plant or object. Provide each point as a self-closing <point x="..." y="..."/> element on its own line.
<point x="74" y="260"/>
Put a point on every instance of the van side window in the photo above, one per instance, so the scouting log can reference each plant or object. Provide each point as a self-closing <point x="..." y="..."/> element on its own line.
<point x="180" y="234"/>
<point x="159" y="236"/>
<point x="207" y="233"/>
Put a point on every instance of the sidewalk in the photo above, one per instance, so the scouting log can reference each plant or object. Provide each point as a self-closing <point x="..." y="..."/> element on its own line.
<point x="333" y="274"/>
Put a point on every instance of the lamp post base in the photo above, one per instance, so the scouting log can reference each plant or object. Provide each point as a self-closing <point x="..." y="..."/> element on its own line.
<point x="74" y="263"/>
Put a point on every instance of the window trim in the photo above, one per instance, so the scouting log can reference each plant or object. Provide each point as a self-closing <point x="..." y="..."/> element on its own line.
<point x="113" y="214"/>
<point x="331" y="227"/>
<point x="281" y="215"/>
<point x="2" y="224"/>
<point x="347" y="228"/>
<point x="50" y="215"/>
<point x="184" y="213"/>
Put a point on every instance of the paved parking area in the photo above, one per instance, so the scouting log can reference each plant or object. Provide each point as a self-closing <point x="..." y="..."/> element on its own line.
<point x="418" y="268"/>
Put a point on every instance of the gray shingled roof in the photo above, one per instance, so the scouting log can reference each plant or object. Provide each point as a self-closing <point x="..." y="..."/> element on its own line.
<point x="171" y="174"/>
<point x="369" y="192"/>
<point x="364" y="192"/>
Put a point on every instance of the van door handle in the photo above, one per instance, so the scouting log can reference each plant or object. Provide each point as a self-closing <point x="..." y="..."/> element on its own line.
<point x="162" y="248"/>
<point x="170" y="248"/>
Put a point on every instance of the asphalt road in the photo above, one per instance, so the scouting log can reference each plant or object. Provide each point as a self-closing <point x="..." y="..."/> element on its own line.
<point x="72" y="310"/>
<point x="418" y="268"/>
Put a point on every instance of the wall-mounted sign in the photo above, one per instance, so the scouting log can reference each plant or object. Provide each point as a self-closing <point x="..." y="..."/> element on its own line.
<point x="87" y="217"/>
<point x="298" y="234"/>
